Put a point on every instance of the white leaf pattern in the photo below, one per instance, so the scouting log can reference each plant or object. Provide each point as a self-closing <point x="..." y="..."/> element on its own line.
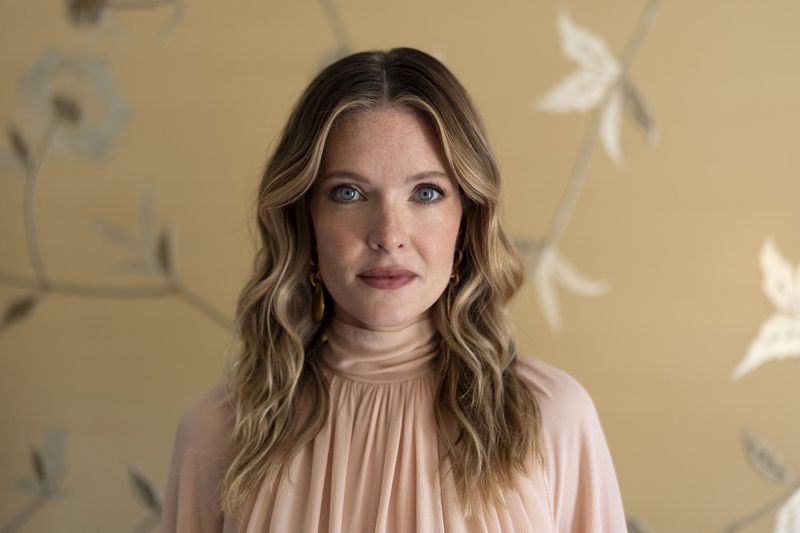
<point x="586" y="88"/>
<point x="579" y="92"/>
<point x="778" y="338"/>
<point x="788" y="518"/>
<point x="584" y="47"/>
<point x="781" y="283"/>
<point x="610" y="124"/>
<point x="554" y="268"/>
<point x="779" y="335"/>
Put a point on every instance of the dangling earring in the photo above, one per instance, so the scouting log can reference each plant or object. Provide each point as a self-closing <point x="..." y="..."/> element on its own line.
<point x="319" y="298"/>
<point x="454" y="278"/>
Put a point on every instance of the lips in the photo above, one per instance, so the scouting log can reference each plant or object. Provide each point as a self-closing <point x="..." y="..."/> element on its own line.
<point x="387" y="278"/>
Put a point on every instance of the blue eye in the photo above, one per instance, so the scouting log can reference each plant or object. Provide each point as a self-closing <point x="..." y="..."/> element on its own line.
<point x="429" y="193"/>
<point x="344" y="194"/>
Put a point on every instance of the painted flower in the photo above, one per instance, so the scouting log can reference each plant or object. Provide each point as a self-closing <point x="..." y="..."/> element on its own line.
<point x="779" y="335"/>
<point x="552" y="269"/>
<point x="78" y="92"/>
<point x="48" y="462"/>
<point x="588" y="87"/>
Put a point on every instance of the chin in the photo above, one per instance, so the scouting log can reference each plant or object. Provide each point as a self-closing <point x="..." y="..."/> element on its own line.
<point x="384" y="318"/>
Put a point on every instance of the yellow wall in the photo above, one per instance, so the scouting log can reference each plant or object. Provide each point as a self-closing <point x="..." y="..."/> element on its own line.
<point x="189" y="115"/>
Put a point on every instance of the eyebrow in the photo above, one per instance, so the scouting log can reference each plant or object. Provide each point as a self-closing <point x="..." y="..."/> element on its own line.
<point x="358" y="177"/>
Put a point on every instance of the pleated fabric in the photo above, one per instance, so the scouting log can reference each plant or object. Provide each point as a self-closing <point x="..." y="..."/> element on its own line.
<point x="373" y="467"/>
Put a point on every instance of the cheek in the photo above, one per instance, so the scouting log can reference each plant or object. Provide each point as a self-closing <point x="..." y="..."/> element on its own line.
<point x="437" y="241"/>
<point x="336" y="246"/>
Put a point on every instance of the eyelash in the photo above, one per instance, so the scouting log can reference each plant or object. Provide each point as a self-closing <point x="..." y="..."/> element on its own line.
<point x="423" y="186"/>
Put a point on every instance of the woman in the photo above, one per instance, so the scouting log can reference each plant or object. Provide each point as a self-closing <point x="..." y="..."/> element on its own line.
<point x="379" y="388"/>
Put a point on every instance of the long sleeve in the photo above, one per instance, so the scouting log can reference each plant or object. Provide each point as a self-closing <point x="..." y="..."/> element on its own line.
<point x="197" y="467"/>
<point x="580" y="473"/>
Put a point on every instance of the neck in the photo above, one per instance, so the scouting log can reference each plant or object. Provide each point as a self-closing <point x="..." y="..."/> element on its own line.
<point x="382" y="354"/>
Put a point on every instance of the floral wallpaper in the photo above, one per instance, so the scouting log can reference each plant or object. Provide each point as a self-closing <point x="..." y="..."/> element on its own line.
<point x="134" y="134"/>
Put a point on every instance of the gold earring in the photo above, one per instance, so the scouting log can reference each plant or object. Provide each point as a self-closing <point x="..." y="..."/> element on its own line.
<point x="454" y="279"/>
<point x="319" y="297"/>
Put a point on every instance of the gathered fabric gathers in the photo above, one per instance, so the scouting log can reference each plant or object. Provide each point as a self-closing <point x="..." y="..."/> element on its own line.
<point x="374" y="467"/>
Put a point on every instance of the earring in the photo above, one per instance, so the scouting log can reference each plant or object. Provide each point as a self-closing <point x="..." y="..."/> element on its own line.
<point x="319" y="298"/>
<point x="454" y="279"/>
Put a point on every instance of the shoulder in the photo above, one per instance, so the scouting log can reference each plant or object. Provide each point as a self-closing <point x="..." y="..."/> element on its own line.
<point x="208" y="422"/>
<point x="578" y="467"/>
<point x="564" y="402"/>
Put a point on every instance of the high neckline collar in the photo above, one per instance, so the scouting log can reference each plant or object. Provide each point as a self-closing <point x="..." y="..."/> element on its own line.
<point x="384" y="356"/>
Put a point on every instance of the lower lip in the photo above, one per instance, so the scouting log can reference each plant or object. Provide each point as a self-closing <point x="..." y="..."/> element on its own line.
<point x="388" y="282"/>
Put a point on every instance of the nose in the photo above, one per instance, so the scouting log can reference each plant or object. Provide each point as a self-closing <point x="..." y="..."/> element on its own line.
<point x="388" y="228"/>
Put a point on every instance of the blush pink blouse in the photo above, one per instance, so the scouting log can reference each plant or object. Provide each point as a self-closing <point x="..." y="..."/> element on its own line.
<point x="373" y="466"/>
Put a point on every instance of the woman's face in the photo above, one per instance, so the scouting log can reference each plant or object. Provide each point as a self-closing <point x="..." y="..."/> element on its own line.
<point x="386" y="217"/>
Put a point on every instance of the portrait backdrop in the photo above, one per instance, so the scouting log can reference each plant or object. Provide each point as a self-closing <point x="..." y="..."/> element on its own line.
<point x="650" y="162"/>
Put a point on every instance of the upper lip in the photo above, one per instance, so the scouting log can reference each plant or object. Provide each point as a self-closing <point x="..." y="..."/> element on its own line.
<point x="385" y="272"/>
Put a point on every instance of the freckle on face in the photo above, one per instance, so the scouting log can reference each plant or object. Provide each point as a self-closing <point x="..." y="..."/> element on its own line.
<point x="386" y="224"/>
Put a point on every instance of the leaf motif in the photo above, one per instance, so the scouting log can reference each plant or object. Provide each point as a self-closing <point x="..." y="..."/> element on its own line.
<point x="40" y="468"/>
<point x="115" y="234"/>
<point x="579" y="92"/>
<point x="766" y="460"/>
<point x="147" y="491"/>
<point x="609" y="126"/>
<point x="636" y="108"/>
<point x="598" y="70"/>
<point x="788" y="517"/>
<point x="54" y="450"/>
<point x="27" y="486"/>
<point x="780" y="282"/>
<point x="584" y="47"/>
<point x="553" y="268"/>
<point x="20" y="148"/>
<point x="19" y="309"/>
<point x="637" y="525"/>
<point x="778" y="338"/>
<point x="164" y="252"/>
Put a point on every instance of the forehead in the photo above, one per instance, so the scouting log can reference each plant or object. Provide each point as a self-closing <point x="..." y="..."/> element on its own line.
<point x="383" y="140"/>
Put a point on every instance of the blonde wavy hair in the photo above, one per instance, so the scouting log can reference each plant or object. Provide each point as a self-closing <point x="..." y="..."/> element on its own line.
<point x="488" y="421"/>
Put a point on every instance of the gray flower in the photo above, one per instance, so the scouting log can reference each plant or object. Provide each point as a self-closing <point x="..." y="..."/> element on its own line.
<point x="78" y="92"/>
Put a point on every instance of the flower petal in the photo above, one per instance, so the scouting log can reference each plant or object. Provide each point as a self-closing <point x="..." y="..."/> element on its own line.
<point x="778" y="338"/>
<point x="580" y="91"/>
<point x="609" y="126"/>
<point x="553" y="268"/>
<point x="780" y="283"/>
<point x="788" y="517"/>
<point x="568" y="275"/>
<point x="584" y="47"/>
